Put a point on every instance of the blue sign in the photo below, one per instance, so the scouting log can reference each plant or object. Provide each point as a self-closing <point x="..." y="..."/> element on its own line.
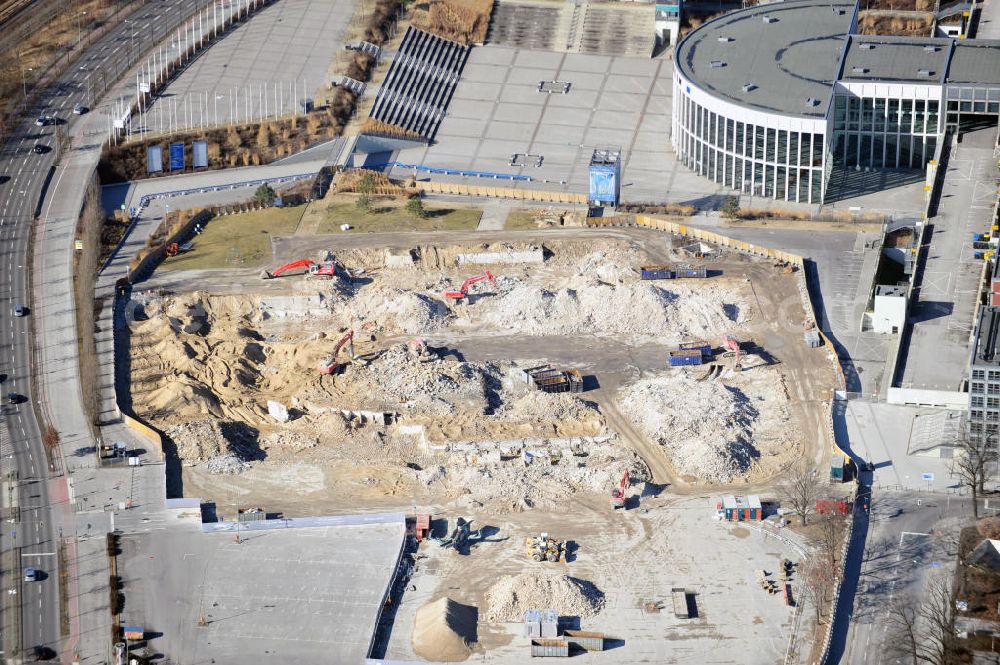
<point x="176" y="156"/>
<point x="604" y="183"/>
<point x="929" y="477"/>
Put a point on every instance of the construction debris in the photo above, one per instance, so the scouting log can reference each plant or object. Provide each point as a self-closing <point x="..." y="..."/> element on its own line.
<point x="511" y="596"/>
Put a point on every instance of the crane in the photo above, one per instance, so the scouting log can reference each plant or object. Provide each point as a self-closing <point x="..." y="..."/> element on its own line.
<point x="732" y="344"/>
<point x="618" y="493"/>
<point x="464" y="289"/>
<point x="319" y="270"/>
<point x="330" y="365"/>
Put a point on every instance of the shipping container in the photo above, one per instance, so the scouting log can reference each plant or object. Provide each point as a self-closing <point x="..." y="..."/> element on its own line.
<point x="680" y="600"/>
<point x="532" y="623"/>
<point x="704" y="347"/>
<point x="585" y="640"/>
<point x="550" y="623"/>
<point x="679" y="358"/>
<point x="575" y="380"/>
<point x="690" y="273"/>
<point x="833" y="506"/>
<point x="542" y="648"/>
<point x="656" y="272"/>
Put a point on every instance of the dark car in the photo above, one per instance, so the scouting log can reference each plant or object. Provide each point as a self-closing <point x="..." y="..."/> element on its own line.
<point x="13" y="398"/>
<point x="39" y="149"/>
<point x="43" y="653"/>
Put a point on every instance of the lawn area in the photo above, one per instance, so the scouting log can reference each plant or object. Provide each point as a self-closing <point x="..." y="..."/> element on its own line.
<point x="237" y="241"/>
<point x="389" y="215"/>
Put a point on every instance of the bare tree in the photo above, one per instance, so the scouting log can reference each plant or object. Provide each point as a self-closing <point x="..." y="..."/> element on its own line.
<point x="800" y="490"/>
<point x="971" y="465"/>
<point x="817" y="579"/>
<point x="831" y="528"/>
<point x="922" y="630"/>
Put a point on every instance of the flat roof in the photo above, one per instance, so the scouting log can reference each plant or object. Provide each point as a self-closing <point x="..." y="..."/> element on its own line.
<point x="789" y="52"/>
<point x="976" y="62"/>
<point x="987" y="331"/>
<point x="904" y="59"/>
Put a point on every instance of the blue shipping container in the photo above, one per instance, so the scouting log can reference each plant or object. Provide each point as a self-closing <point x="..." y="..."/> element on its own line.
<point x="656" y="272"/>
<point x="694" y="273"/>
<point x="704" y="347"/>
<point x="679" y="358"/>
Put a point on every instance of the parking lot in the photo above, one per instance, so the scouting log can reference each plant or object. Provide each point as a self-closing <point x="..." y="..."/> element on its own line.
<point x="277" y="596"/>
<point x="617" y="102"/>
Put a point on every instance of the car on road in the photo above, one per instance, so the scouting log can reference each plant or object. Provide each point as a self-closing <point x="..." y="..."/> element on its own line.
<point x="30" y="575"/>
<point x="39" y="149"/>
<point x="13" y="398"/>
<point x="79" y="109"/>
<point x="42" y="120"/>
<point x="43" y="653"/>
<point x="20" y="310"/>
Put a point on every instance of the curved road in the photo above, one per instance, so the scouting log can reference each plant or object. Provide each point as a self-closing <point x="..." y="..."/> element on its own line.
<point x="23" y="179"/>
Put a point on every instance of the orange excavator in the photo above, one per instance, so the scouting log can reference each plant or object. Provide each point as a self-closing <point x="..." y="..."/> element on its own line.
<point x="733" y="344"/>
<point x="316" y="270"/>
<point x="618" y="493"/>
<point x="463" y="290"/>
<point x="330" y="365"/>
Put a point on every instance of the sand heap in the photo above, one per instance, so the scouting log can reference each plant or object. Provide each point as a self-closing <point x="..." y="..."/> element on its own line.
<point x="715" y="431"/>
<point x="443" y="631"/>
<point x="508" y="599"/>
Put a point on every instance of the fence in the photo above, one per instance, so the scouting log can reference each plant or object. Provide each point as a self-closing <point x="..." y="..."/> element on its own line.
<point x="434" y="187"/>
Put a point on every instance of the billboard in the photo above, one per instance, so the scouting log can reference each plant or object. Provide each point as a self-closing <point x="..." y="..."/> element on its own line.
<point x="154" y="159"/>
<point x="176" y="156"/>
<point x="199" y="154"/>
<point x="604" y="183"/>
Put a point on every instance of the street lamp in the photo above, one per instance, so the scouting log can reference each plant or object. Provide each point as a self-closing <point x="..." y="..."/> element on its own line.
<point x="79" y="26"/>
<point x="24" y="81"/>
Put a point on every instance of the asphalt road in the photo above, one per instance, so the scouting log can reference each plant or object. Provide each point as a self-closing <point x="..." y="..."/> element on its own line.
<point x="23" y="178"/>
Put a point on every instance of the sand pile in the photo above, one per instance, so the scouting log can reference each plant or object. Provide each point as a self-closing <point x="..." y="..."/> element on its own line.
<point x="443" y="631"/>
<point x="512" y="595"/>
<point x="715" y="431"/>
<point x="591" y="306"/>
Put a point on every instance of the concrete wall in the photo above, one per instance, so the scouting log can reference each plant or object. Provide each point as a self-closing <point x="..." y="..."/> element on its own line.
<point x="940" y="398"/>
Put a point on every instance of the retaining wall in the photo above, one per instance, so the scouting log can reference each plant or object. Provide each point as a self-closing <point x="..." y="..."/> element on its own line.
<point x="434" y="187"/>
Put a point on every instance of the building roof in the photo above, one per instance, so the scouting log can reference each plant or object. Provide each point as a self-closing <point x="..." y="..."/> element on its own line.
<point x="905" y="59"/>
<point x="731" y="502"/>
<point x="975" y="62"/>
<point x="986" y="555"/>
<point x="788" y="52"/>
<point x="987" y="332"/>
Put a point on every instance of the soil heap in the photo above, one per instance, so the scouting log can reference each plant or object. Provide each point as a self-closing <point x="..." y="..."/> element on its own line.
<point x="508" y="599"/>
<point x="443" y="631"/>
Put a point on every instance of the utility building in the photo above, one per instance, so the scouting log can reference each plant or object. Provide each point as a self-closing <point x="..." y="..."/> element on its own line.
<point x="984" y="377"/>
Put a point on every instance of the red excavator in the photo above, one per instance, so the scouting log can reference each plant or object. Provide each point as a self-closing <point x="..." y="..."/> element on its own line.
<point x="330" y="365"/>
<point x="464" y="289"/>
<point x="618" y="493"/>
<point x="316" y="270"/>
<point x="732" y="344"/>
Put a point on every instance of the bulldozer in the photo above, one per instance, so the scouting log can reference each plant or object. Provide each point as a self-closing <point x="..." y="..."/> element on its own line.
<point x="544" y="548"/>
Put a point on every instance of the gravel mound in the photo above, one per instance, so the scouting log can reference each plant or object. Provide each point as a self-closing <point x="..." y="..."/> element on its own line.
<point x="443" y="631"/>
<point x="512" y="595"/>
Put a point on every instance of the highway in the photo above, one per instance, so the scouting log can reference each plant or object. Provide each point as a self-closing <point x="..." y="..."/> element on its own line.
<point x="23" y="177"/>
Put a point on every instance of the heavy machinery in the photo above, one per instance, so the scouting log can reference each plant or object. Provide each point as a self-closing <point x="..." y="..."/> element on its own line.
<point x="463" y="290"/>
<point x="618" y="493"/>
<point x="325" y="270"/>
<point x="732" y="344"/>
<point x="330" y="365"/>
<point x="544" y="548"/>
<point x="418" y="349"/>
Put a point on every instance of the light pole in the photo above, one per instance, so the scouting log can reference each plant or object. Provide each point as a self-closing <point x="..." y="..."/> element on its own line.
<point x="79" y="26"/>
<point x="24" y="80"/>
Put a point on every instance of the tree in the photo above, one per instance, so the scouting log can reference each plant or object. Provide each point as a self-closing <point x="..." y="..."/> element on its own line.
<point x="415" y="208"/>
<point x="817" y="578"/>
<point x="731" y="208"/>
<point x="922" y="630"/>
<point x="831" y="527"/>
<point x="800" y="490"/>
<point x="971" y="465"/>
<point x="366" y="184"/>
<point x="264" y="195"/>
<point x="364" y="203"/>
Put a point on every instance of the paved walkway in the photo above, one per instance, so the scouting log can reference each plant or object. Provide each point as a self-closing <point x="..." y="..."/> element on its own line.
<point x="989" y="20"/>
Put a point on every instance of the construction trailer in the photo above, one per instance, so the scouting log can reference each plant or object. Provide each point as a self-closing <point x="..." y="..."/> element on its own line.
<point x="662" y="271"/>
<point x="840" y="468"/>
<point x="740" y="508"/>
<point x="683" y="357"/>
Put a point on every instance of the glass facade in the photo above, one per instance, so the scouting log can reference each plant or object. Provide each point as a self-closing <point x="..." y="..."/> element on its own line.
<point x="884" y="133"/>
<point x="757" y="160"/>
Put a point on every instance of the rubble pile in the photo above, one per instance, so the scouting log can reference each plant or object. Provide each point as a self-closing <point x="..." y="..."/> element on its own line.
<point x="570" y="596"/>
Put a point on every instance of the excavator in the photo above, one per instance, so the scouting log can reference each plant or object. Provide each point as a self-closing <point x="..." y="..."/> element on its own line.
<point x="330" y="365"/>
<point x="618" y="493"/>
<point x="732" y="344"/>
<point x="463" y="290"/>
<point x="316" y="270"/>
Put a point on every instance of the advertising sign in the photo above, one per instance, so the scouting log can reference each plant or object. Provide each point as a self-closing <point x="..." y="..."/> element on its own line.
<point x="604" y="183"/>
<point x="154" y="159"/>
<point x="176" y="156"/>
<point x="199" y="154"/>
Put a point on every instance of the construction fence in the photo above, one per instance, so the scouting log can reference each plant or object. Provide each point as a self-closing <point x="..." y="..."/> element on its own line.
<point x="457" y="189"/>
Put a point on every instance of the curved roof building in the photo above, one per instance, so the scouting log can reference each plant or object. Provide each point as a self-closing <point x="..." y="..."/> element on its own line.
<point x="769" y="100"/>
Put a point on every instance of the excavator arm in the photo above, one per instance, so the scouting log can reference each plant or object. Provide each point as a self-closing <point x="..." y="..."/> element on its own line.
<point x="330" y="365"/>
<point x="464" y="289"/>
<point x="301" y="263"/>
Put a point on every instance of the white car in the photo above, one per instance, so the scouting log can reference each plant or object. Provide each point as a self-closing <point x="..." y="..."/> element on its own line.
<point x="42" y="121"/>
<point x="79" y="109"/>
<point x="30" y="575"/>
